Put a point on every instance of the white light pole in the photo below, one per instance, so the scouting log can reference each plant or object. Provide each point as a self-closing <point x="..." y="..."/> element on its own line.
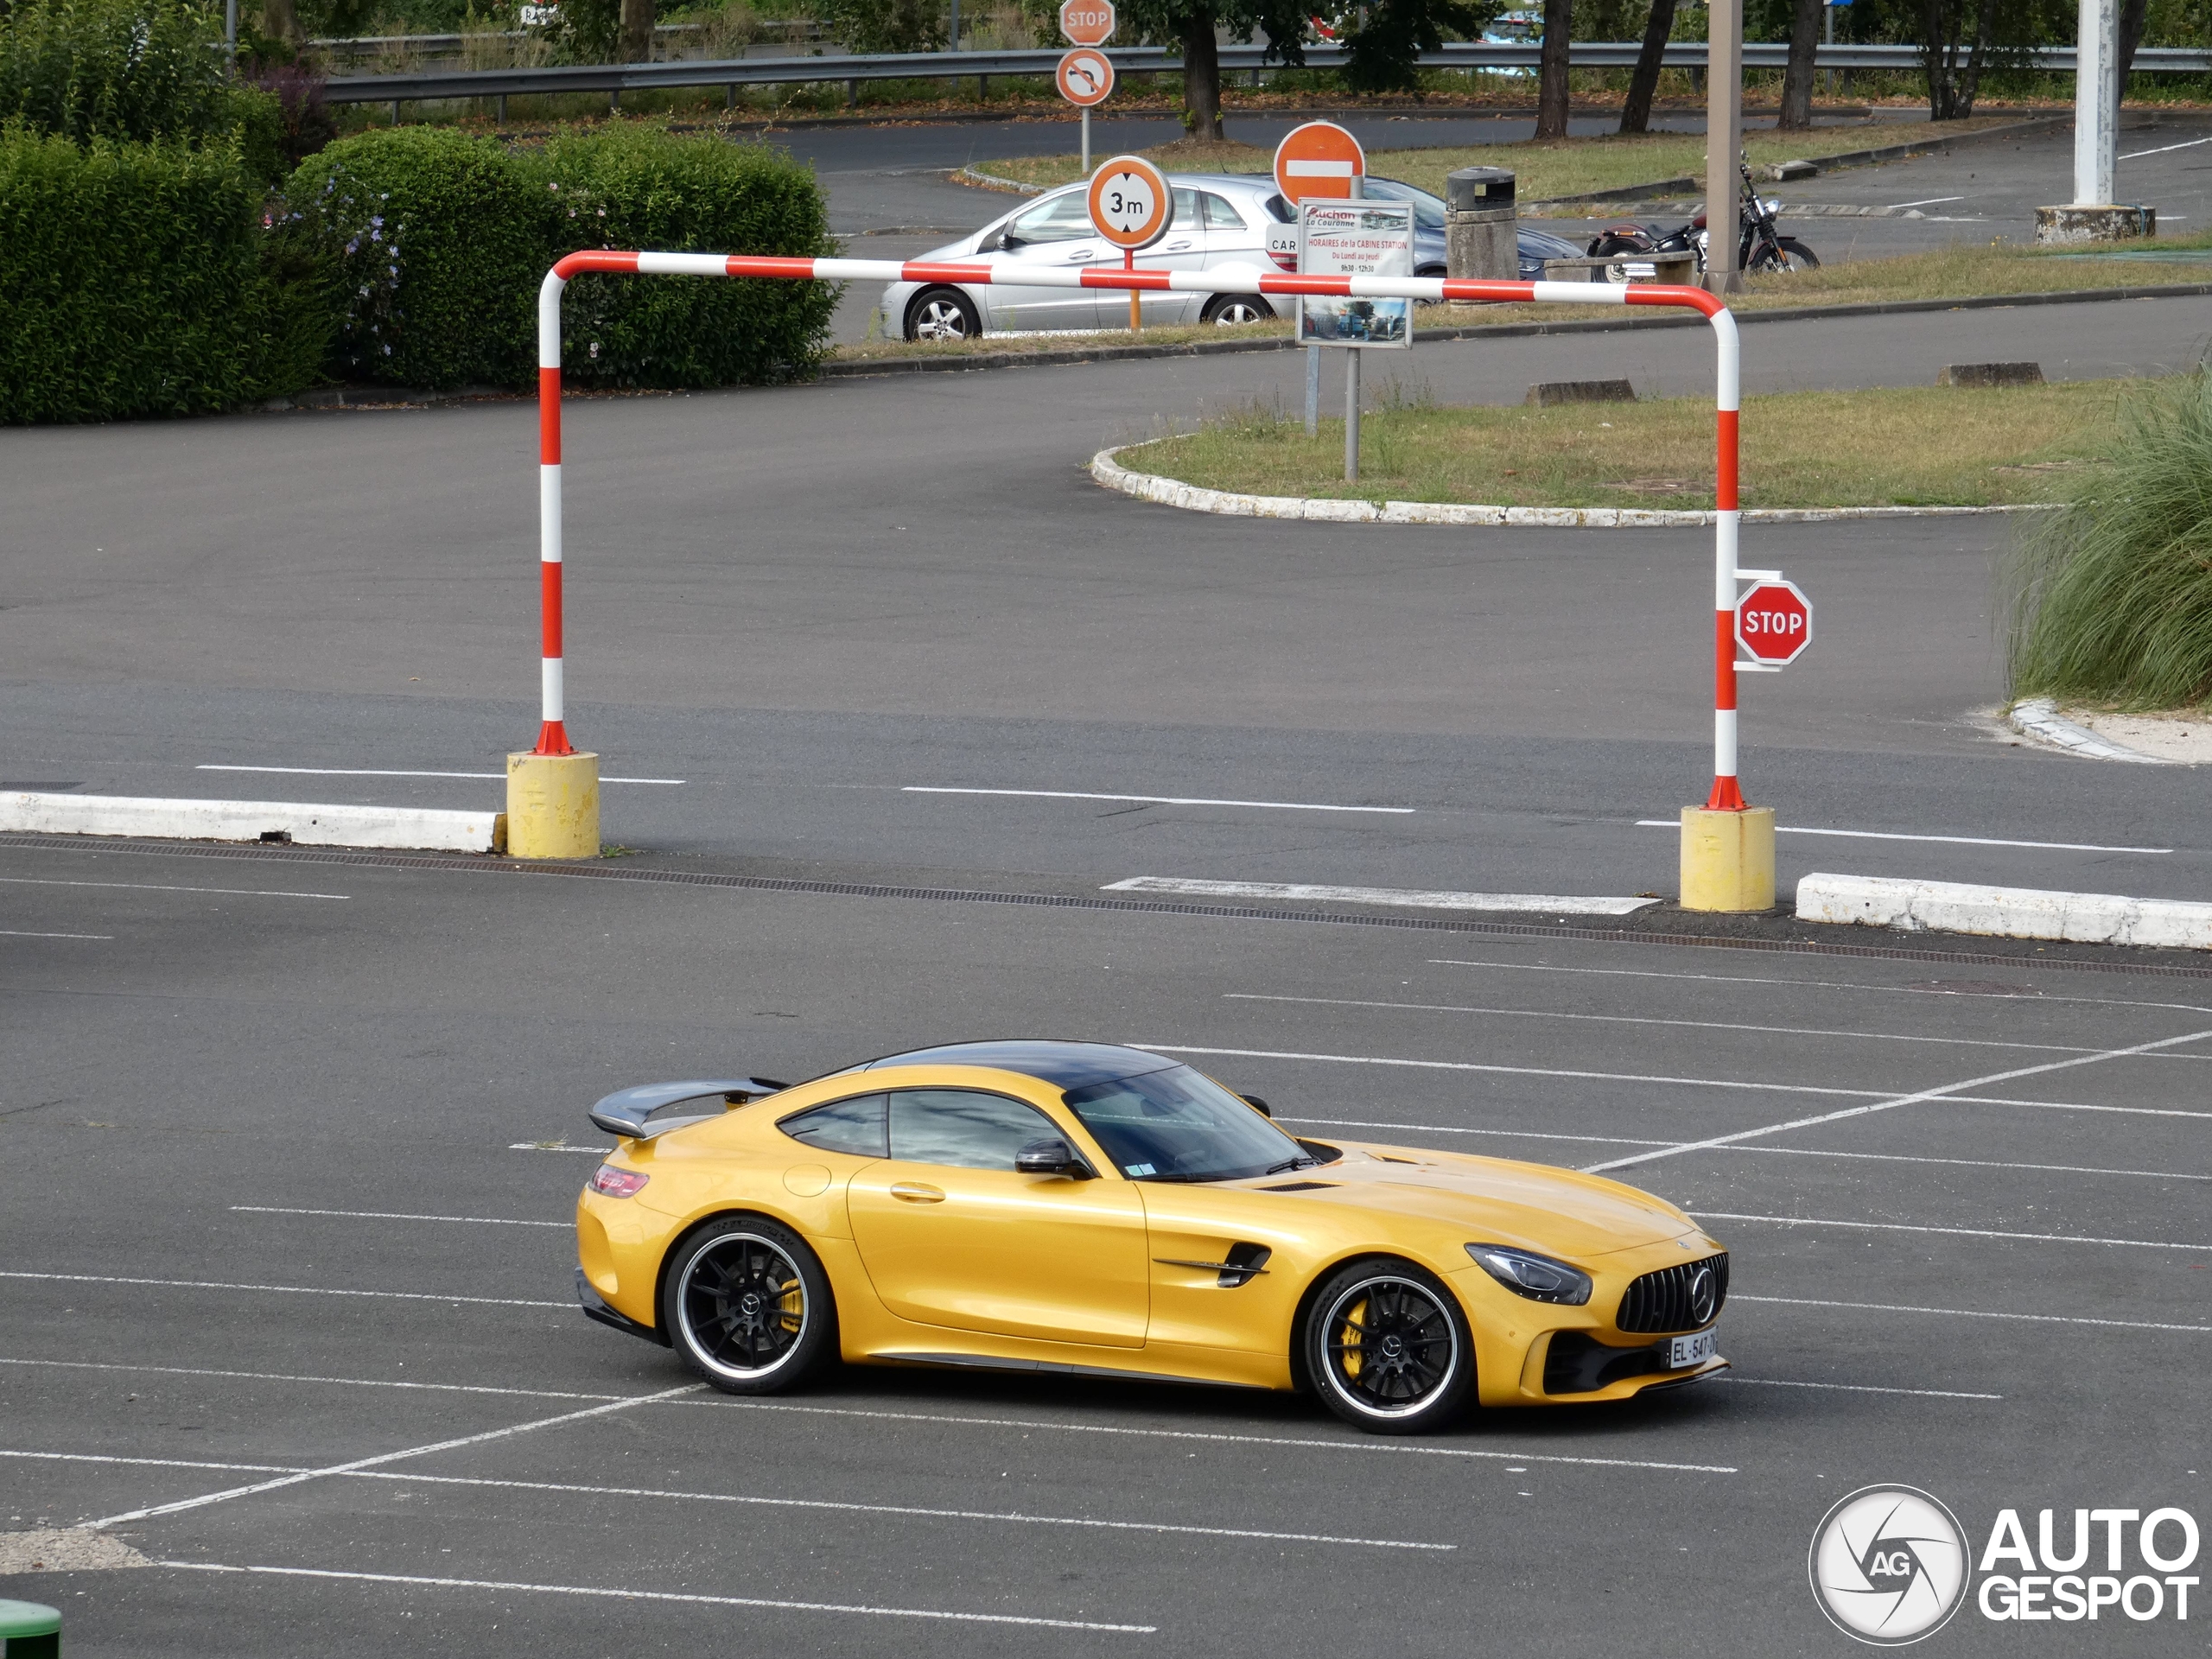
<point x="2097" y="105"/>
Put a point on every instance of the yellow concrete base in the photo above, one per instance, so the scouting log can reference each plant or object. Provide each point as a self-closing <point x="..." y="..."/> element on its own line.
<point x="1728" y="859"/>
<point x="553" y="806"/>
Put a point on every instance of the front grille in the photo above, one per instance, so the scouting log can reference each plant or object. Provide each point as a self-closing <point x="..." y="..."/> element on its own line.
<point x="1661" y="1301"/>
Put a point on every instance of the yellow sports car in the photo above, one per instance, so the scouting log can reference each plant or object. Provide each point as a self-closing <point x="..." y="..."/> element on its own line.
<point x="1103" y="1212"/>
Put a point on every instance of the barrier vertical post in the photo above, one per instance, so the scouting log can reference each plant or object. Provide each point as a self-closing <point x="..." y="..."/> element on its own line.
<point x="1727" y="850"/>
<point x="552" y="790"/>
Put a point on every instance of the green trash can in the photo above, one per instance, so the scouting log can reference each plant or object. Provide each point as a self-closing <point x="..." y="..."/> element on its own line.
<point x="28" y="1630"/>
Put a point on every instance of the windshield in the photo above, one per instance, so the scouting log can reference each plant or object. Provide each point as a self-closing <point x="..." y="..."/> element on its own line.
<point x="1177" y="1126"/>
<point x="1429" y="211"/>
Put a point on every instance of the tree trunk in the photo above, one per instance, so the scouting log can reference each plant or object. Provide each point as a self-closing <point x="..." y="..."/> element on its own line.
<point x="1635" y="114"/>
<point x="1201" y="80"/>
<point x="2130" y="36"/>
<point x="637" y="30"/>
<point x="1551" y="82"/>
<point x="280" y="21"/>
<point x="1797" y="80"/>
<point x="1940" y="46"/>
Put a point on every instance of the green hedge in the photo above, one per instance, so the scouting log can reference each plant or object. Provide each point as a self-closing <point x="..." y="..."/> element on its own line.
<point x="440" y="240"/>
<point x="138" y="279"/>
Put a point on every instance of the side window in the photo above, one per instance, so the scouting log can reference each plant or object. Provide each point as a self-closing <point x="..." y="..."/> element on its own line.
<point x="1220" y="216"/>
<point x="1063" y="219"/>
<point x="964" y="1128"/>
<point x="855" y="1125"/>
<point x="1187" y="216"/>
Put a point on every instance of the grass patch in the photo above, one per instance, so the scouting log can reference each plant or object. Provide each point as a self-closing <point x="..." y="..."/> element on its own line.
<point x="2112" y="597"/>
<point x="1915" y="446"/>
<point x="1564" y="167"/>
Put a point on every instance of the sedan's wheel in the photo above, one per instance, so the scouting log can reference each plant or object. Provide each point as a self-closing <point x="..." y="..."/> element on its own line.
<point x="943" y="313"/>
<point x="1389" y="1348"/>
<point x="1231" y="310"/>
<point x="749" y="1306"/>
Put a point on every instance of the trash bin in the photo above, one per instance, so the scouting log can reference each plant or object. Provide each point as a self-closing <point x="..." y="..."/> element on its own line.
<point x="1481" y="231"/>
<point x="28" y="1630"/>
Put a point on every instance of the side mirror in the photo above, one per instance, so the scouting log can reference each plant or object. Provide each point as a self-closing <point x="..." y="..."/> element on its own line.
<point x="998" y="239"/>
<point x="1256" y="1104"/>
<point x="1052" y="1156"/>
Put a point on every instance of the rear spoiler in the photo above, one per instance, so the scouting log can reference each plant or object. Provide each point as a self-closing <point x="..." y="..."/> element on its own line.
<point x="624" y="1112"/>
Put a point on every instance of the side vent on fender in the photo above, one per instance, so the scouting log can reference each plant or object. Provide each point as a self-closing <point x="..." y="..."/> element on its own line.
<point x="1242" y="1264"/>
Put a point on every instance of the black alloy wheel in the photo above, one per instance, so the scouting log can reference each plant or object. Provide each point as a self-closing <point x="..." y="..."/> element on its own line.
<point x="1389" y="1348"/>
<point x="1231" y="310"/>
<point x="943" y="313"/>
<point x="749" y="1306"/>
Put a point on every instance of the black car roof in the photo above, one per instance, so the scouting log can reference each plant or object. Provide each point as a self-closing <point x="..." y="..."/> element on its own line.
<point x="1065" y="1066"/>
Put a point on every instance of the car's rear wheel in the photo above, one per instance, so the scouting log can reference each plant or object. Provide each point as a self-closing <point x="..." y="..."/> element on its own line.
<point x="748" y="1306"/>
<point x="943" y="313"/>
<point x="1389" y="1348"/>
<point x="1231" y="310"/>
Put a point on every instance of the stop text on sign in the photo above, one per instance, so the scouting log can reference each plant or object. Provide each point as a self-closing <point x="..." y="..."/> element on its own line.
<point x="1774" y="622"/>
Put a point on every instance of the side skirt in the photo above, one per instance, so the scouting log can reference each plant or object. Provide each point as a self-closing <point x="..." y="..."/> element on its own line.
<point x="986" y="1362"/>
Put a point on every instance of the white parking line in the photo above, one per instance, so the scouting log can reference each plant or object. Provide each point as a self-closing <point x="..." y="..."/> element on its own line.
<point x="556" y="1145"/>
<point x="507" y="1585"/>
<point x="1954" y="841"/>
<point x="1972" y="1313"/>
<point x="1893" y="1103"/>
<point x="1384" y="1447"/>
<point x="1792" y="1152"/>
<point x="1511" y="1071"/>
<point x="289" y="1290"/>
<point x="285" y="1376"/>
<point x="1852" y="1388"/>
<point x="1154" y="800"/>
<point x="373" y="771"/>
<point x="1404" y="897"/>
<point x="21" y="933"/>
<point x="1955" y="1232"/>
<point x="2023" y="995"/>
<point x="155" y="1462"/>
<point x="156" y="887"/>
<point x="896" y="1509"/>
<point x="1929" y="201"/>
<point x="2078" y="1106"/>
<point x="382" y="1459"/>
<point x="393" y="1215"/>
<point x="2162" y="150"/>
<point x="1647" y="1019"/>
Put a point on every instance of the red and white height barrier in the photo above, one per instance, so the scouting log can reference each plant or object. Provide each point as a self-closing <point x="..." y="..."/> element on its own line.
<point x="553" y="738"/>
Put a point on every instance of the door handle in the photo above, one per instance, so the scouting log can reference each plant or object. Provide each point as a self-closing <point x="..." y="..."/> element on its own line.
<point x="1076" y="258"/>
<point x="1177" y="247"/>
<point x="916" y="1192"/>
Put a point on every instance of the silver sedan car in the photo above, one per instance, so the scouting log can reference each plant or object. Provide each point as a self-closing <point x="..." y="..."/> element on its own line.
<point x="1221" y="218"/>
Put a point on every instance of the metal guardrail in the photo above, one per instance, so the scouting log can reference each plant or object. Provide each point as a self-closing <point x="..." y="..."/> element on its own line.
<point x="732" y="73"/>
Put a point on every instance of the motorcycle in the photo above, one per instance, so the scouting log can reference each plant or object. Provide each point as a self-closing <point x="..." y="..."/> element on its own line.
<point x="1762" y="246"/>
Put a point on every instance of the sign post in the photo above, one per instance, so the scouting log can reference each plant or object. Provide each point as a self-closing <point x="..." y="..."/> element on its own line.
<point x="1320" y="159"/>
<point x="1131" y="206"/>
<point x="1086" y="77"/>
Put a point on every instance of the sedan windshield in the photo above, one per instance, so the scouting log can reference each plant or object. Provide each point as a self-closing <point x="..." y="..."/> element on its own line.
<point x="1429" y="211"/>
<point x="1177" y="1126"/>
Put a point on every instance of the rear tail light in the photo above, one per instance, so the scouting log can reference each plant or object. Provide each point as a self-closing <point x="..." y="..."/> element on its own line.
<point x="612" y="1183"/>
<point x="1288" y="261"/>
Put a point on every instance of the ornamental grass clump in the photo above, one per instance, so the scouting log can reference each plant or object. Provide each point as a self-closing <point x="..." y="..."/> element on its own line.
<point x="2112" y="594"/>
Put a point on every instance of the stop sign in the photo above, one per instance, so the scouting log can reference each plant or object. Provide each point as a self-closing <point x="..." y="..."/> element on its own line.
<point x="1774" y="622"/>
<point x="1087" y="22"/>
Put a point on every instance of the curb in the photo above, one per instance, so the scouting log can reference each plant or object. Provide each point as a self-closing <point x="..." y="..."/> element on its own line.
<point x="1173" y="492"/>
<point x="1107" y="354"/>
<point x="302" y="823"/>
<point x="2011" y="912"/>
<point x="2038" y="717"/>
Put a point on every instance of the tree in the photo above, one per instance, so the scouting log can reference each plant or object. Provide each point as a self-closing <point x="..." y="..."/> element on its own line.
<point x="1797" y="78"/>
<point x="1635" y="114"/>
<point x="1382" y="41"/>
<point x="637" y="30"/>
<point x="1551" y="71"/>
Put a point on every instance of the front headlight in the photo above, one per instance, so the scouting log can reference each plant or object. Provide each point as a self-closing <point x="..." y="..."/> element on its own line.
<point x="1539" y="1278"/>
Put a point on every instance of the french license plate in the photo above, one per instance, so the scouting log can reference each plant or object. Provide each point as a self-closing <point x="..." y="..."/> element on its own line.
<point x="1693" y="1350"/>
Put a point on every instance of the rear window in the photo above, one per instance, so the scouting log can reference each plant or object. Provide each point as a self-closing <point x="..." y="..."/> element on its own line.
<point x="855" y="1125"/>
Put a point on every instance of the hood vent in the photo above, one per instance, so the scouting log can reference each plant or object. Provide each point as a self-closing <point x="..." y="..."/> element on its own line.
<point x="1302" y="1186"/>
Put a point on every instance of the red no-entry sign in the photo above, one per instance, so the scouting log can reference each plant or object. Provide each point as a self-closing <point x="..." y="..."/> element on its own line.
<point x="1774" y="622"/>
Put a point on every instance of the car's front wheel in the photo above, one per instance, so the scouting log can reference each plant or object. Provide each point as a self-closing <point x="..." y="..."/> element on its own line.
<point x="1231" y="310"/>
<point x="748" y="1306"/>
<point x="1389" y="1349"/>
<point x="943" y="313"/>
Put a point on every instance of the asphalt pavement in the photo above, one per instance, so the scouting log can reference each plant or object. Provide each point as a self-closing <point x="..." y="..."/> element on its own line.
<point x="293" y="1137"/>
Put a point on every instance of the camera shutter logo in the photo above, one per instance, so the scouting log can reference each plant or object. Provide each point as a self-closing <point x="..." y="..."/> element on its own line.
<point x="1889" y="1565"/>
